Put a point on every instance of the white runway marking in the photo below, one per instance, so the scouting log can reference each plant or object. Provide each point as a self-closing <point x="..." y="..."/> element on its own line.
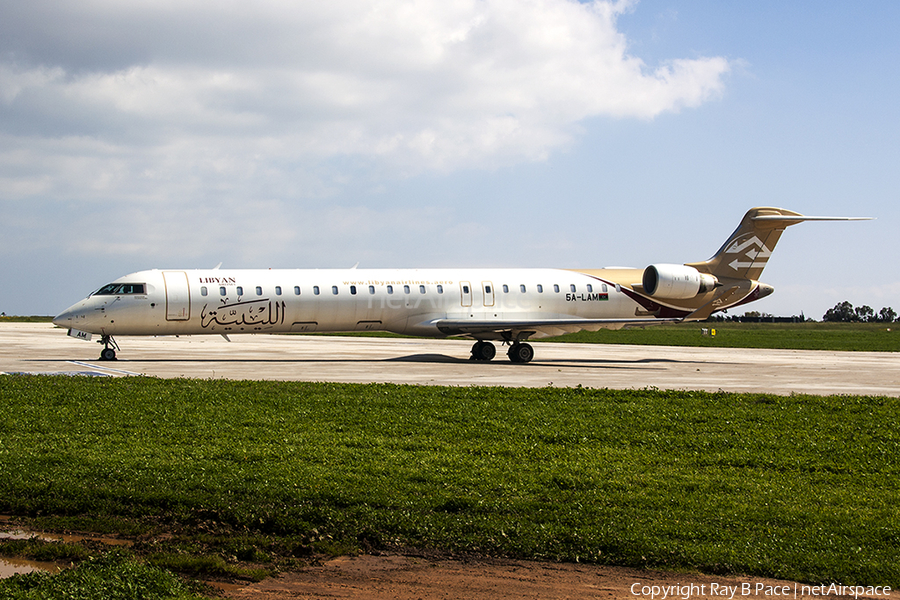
<point x="106" y="370"/>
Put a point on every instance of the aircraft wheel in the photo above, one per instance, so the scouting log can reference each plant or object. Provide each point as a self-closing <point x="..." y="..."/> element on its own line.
<point x="483" y="351"/>
<point x="520" y="353"/>
<point x="107" y="354"/>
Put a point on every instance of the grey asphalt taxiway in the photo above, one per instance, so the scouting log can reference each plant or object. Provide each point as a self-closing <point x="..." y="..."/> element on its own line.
<point x="43" y="348"/>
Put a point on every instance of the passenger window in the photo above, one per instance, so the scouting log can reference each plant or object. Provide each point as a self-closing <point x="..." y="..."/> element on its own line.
<point x="540" y="289"/>
<point x="352" y="290"/>
<point x="277" y="290"/>
<point x="590" y="288"/>
<point x="240" y="291"/>
<point x="296" y="290"/>
<point x="258" y="291"/>
<point x="556" y="288"/>
<point x="421" y="289"/>
<point x="440" y="289"/>
<point x="572" y="287"/>
<point x="222" y="291"/>
<point x="390" y="289"/>
<point x="487" y="289"/>
<point x="505" y="289"/>
<point x="522" y="288"/>
<point x="203" y="291"/>
<point x="334" y="290"/>
<point x="604" y="288"/>
<point x="316" y="290"/>
<point x="372" y="289"/>
<point x="405" y="289"/>
<point x="465" y="289"/>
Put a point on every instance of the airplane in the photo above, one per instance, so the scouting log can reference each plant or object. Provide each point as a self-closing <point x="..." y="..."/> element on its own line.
<point x="508" y="305"/>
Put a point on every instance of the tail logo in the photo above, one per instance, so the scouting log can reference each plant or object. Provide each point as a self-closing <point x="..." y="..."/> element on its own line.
<point x="752" y="248"/>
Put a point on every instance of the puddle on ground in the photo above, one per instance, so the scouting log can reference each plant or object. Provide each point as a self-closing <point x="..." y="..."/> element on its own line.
<point x="21" y="534"/>
<point x="10" y="566"/>
<point x="17" y="566"/>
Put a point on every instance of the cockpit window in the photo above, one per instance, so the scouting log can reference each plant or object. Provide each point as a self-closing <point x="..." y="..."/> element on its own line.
<point x="115" y="289"/>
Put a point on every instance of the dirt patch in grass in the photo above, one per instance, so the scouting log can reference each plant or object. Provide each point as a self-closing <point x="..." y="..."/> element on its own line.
<point x="399" y="577"/>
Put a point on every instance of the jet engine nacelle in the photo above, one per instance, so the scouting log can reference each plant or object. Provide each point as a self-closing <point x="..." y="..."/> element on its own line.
<point x="677" y="282"/>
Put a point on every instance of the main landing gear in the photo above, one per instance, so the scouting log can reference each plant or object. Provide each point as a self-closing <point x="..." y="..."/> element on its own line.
<point x="109" y="348"/>
<point x="518" y="352"/>
<point x="483" y="351"/>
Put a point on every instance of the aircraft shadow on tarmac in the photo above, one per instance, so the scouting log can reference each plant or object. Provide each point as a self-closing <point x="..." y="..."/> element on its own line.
<point x="411" y="358"/>
<point x="443" y="358"/>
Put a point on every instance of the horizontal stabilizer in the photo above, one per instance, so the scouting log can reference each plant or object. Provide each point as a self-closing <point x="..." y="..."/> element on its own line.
<point x="801" y="218"/>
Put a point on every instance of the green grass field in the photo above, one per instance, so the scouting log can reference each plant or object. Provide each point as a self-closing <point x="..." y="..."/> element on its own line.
<point x="250" y="477"/>
<point x="34" y="319"/>
<point x="114" y="576"/>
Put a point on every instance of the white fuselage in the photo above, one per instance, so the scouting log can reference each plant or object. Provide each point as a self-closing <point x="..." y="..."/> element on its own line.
<point x="512" y="305"/>
<point x="406" y="301"/>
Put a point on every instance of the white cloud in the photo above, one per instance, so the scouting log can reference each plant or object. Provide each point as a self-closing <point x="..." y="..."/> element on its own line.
<point x="162" y="130"/>
<point x="426" y="85"/>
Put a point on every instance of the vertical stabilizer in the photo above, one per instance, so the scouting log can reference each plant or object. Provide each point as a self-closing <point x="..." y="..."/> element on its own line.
<point x="747" y="251"/>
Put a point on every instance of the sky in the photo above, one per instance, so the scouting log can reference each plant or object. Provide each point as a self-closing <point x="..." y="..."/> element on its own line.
<point x="445" y="133"/>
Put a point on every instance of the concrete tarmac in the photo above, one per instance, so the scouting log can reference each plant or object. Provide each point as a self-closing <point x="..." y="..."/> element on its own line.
<point x="43" y="348"/>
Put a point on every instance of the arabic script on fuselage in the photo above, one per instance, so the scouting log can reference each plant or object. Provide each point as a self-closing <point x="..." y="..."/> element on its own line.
<point x="252" y="313"/>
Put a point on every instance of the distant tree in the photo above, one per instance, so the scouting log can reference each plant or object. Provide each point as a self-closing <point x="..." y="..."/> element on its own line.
<point x="865" y="314"/>
<point x="887" y="315"/>
<point x="842" y="312"/>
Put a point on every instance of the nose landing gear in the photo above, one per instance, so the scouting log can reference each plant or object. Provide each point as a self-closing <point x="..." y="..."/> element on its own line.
<point x="109" y="348"/>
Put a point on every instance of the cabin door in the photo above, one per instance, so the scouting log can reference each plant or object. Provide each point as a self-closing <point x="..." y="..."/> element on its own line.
<point x="178" y="296"/>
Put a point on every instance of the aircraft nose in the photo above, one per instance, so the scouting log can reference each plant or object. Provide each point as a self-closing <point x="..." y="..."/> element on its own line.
<point x="76" y="316"/>
<point x="65" y="318"/>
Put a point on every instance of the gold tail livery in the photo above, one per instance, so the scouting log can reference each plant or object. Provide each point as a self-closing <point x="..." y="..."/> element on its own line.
<point x="487" y="305"/>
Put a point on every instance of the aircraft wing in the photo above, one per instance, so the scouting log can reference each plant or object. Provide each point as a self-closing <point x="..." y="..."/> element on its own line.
<point x="542" y="327"/>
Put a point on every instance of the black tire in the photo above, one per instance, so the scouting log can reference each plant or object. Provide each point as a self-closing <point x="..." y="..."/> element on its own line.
<point x="483" y="351"/>
<point x="520" y="353"/>
<point x="488" y="351"/>
<point x="107" y="354"/>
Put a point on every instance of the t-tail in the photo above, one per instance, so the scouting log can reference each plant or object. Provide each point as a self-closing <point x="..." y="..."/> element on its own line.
<point x="747" y="251"/>
<point x="731" y="277"/>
